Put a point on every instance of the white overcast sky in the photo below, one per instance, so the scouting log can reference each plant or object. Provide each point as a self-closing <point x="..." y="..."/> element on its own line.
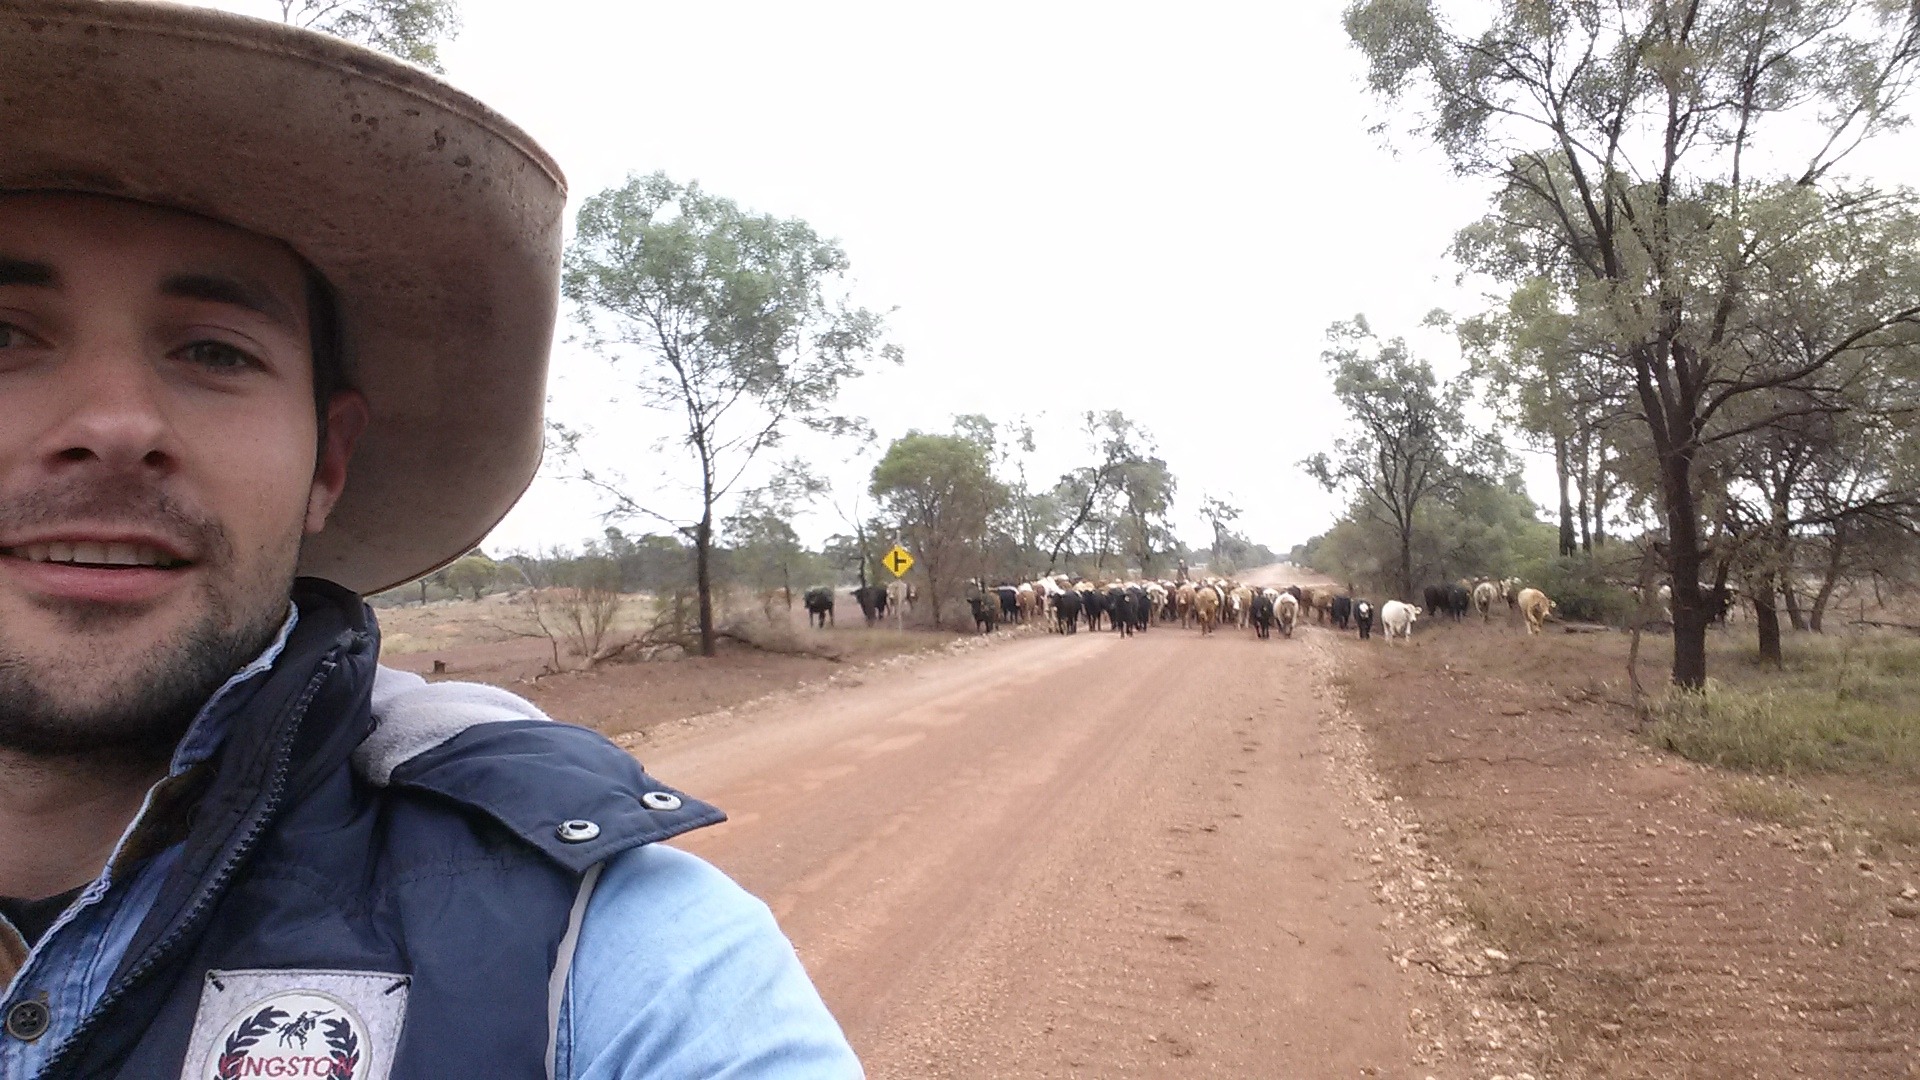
<point x="1155" y="208"/>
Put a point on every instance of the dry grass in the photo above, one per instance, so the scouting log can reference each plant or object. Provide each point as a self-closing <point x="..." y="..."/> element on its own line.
<point x="1845" y="703"/>
<point x="1758" y="800"/>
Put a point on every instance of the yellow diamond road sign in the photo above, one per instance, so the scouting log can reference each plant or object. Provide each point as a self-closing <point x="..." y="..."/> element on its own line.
<point x="898" y="561"/>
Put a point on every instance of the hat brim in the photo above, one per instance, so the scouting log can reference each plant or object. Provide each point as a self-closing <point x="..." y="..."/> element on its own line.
<point x="437" y="222"/>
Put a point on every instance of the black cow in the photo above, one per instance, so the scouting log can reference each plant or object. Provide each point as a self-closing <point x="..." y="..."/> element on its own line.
<point x="1119" y="612"/>
<point x="1342" y="611"/>
<point x="1066" y="610"/>
<point x="1142" y="607"/>
<point x="1262" y="615"/>
<point x="819" y="603"/>
<point x="1447" y="600"/>
<point x="986" y="611"/>
<point x="1093" y="604"/>
<point x="1363" y="618"/>
<point x="1009" y="603"/>
<point x="873" y="602"/>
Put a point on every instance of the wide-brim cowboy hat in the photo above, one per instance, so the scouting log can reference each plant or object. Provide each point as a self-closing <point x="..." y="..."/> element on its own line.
<point x="437" y="222"/>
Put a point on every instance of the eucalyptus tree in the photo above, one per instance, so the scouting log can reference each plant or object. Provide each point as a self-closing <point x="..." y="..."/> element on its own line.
<point x="1409" y="444"/>
<point x="941" y="493"/>
<point x="734" y="324"/>
<point x="412" y="30"/>
<point x="1651" y="140"/>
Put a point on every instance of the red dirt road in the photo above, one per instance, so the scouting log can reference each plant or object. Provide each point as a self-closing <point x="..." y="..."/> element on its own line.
<point x="1080" y="856"/>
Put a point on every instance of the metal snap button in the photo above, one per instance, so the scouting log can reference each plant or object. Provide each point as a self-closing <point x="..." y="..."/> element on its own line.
<point x="660" y="800"/>
<point x="577" y="831"/>
<point x="28" y="1020"/>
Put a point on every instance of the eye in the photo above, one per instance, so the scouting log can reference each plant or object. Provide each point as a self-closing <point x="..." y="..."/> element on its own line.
<point x="218" y="356"/>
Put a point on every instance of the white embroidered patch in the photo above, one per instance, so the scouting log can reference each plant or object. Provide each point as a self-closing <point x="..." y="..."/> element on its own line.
<point x="332" y="1025"/>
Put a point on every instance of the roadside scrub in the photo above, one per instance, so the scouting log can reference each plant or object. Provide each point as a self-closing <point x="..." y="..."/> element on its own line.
<point x="1849" y="703"/>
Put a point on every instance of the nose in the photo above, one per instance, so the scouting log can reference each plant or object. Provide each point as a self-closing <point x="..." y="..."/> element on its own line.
<point x="112" y="414"/>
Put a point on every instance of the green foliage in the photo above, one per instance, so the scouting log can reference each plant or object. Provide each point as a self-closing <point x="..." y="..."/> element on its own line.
<point x="1583" y="589"/>
<point x="474" y="575"/>
<point x="1687" y="263"/>
<point x="941" y="491"/>
<point x="412" y="30"/>
<point x="731" y="322"/>
<point x="1484" y="530"/>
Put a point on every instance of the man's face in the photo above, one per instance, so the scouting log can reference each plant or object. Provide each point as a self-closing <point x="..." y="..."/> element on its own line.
<point x="158" y="465"/>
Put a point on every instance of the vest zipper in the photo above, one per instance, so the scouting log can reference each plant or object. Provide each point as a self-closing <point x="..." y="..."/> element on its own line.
<point x="59" y="1065"/>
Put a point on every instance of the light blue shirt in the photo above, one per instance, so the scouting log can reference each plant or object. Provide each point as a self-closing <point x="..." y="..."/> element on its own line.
<point x="682" y="969"/>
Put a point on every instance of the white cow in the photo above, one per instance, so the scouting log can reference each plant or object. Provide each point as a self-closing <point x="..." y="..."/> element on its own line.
<point x="1483" y="597"/>
<point x="1286" y="612"/>
<point x="1397" y="619"/>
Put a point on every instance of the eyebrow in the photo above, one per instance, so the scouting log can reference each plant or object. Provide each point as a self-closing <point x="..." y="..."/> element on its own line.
<point x="23" y="272"/>
<point x="219" y="289"/>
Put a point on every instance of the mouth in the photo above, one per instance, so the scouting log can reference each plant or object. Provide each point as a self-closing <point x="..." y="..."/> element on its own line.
<point x="97" y="555"/>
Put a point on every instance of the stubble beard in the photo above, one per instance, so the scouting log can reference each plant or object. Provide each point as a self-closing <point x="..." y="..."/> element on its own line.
<point x="102" y="699"/>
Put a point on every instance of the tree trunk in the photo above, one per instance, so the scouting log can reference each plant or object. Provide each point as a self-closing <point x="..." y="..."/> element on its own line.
<point x="1795" y="617"/>
<point x="703" y="581"/>
<point x="1836" y="551"/>
<point x="1560" y="471"/>
<point x="1406" y="563"/>
<point x="1683" y="564"/>
<point x="1599" y="507"/>
<point x="1766" y="615"/>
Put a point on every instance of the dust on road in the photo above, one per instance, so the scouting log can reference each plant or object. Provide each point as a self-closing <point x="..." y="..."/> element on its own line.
<point x="1079" y="856"/>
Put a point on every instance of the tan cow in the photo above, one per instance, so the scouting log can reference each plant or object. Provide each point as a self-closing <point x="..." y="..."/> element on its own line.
<point x="1206" y="607"/>
<point x="1183" y="604"/>
<point x="1536" y="607"/>
<point x="1240" y="603"/>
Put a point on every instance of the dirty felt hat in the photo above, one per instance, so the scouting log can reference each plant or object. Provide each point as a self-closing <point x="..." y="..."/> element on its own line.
<point x="437" y="222"/>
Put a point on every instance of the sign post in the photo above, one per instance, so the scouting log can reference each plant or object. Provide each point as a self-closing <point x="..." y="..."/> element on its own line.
<point x="899" y="561"/>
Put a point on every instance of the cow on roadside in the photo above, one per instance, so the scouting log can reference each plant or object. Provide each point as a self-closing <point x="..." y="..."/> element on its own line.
<point x="1397" y="620"/>
<point x="819" y="602"/>
<point x="1363" y="618"/>
<point x="1009" y="598"/>
<point x="1341" y="611"/>
<point x="1535" y="606"/>
<point x="873" y="602"/>
<point x="986" y="611"/>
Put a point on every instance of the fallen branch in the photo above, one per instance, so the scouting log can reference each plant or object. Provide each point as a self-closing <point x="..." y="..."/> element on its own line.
<point x="1884" y="625"/>
<point x="1452" y="974"/>
<point x="766" y="647"/>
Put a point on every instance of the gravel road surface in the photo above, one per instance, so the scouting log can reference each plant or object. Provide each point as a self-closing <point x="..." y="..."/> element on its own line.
<point x="1078" y="856"/>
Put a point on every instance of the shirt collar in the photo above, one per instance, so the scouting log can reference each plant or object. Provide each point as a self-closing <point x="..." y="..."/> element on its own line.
<point x="209" y="728"/>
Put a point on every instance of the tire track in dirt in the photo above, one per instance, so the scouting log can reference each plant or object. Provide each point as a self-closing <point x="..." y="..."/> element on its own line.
<point x="1066" y="857"/>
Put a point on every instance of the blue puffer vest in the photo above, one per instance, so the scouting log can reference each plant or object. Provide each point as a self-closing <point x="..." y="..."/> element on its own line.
<point x="459" y="875"/>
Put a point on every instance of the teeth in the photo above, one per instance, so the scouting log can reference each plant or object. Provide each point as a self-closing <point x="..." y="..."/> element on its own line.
<point x="93" y="554"/>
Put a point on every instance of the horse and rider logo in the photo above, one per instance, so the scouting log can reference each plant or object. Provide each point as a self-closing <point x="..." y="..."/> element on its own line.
<point x="294" y="1034"/>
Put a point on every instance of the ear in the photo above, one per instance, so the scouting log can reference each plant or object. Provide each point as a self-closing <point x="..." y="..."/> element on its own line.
<point x="347" y="416"/>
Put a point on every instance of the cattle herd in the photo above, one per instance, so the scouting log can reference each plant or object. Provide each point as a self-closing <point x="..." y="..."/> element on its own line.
<point x="1065" y="605"/>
